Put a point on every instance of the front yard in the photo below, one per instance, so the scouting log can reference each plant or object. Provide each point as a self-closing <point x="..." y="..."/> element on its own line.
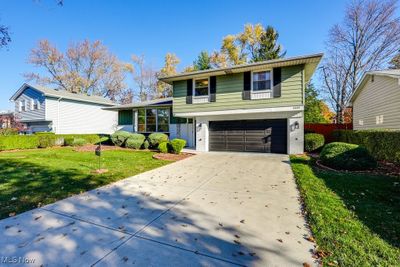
<point x="355" y="218"/>
<point x="29" y="179"/>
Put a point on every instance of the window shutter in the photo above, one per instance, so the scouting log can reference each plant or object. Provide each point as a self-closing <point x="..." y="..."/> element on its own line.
<point x="213" y="88"/>
<point x="277" y="75"/>
<point x="189" y="91"/>
<point x="246" y="85"/>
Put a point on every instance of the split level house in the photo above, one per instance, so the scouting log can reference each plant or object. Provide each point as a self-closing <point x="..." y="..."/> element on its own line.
<point x="257" y="107"/>
<point x="376" y="101"/>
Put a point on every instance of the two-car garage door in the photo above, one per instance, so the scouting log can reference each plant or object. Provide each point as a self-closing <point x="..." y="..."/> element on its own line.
<point x="268" y="136"/>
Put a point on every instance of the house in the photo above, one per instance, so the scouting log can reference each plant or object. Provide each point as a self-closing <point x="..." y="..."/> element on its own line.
<point x="47" y="110"/>
<point x="376" y="101"/>
<point x="154" y="116"/>
<point x="6" y="119"/>
<point x="257" y="107"/>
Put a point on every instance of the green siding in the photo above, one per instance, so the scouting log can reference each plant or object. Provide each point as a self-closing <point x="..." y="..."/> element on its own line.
<point x="125" y="117"/>
<point x="229" y="93"/>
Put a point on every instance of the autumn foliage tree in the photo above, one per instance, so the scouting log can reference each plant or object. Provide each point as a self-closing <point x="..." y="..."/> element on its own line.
<point x="86" y="67"/>
<point x="170" y="63"/>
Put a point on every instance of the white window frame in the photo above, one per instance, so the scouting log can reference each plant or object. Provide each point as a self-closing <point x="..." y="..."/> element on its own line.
<point x="266" y="93"/>
<point x="23" y="104"/>
<point x="200" y="98"/>
<point x="20" y="106"/>
<point x="38" y="104"/>
<point x="32" y="104"/>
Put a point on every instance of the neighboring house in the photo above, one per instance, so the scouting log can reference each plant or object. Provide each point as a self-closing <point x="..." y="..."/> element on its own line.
<point x="6" y="119"/>
<point x="256" y="107"/>
<point x="376" y="101"/>
<point x="62" y="112"/>
<point x="154" y="116"/>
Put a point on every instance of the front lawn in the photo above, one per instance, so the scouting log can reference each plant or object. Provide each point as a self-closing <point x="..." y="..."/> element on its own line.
<point x="33" y="178"/>
<point x="355" y="218"/>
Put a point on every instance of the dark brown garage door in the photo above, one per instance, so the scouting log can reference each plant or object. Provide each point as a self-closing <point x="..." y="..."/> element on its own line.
<point x="269" y="136"/>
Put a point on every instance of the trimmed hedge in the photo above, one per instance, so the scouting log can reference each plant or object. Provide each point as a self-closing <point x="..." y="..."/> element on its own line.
<point x="382" y="144"/>
<point x="164" y="147"/>
<point x="135" y="141"/>
<point x="119" y="137"/>
<point x="156" y="138"/>
<point x="79" y="142"/>
<point x="89" y="138"/>
<point x="344" y="156"/>
<point x="8" y="131"/>
<point x="313" y="141"/>
<point x="146" y="144"/>
<point x="177" y="145"/>
<point x="46" y="140"/>
<point x="19" y="142"/>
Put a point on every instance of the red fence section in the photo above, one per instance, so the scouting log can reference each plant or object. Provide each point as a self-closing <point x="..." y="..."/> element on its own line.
<point x="326" y="129"/>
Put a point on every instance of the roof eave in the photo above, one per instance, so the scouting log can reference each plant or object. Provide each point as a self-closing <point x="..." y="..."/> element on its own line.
<point x="313" y="59"/>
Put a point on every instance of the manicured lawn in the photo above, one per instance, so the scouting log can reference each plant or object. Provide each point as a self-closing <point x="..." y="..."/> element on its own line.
<point x="29" y="179"/>
<point x="355" y="218"/>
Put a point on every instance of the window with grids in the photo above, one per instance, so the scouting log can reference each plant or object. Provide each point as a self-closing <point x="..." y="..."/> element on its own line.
<point x="151" y="120"/>
<point x="261" y="81"/>
<point x="141" y="120"/>
<point x="201" y="87"/>
<point x="163" y="120"/>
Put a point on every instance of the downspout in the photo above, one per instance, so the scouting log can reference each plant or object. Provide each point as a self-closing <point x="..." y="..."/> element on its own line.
<point x="58" y="114"/>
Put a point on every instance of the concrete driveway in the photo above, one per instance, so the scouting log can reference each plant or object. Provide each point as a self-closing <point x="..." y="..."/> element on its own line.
<point x="213" y="209"/>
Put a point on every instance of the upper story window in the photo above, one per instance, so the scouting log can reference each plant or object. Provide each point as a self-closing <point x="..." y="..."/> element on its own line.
<point x="201" y="87"/>
<point x="261" y="81"/>
<point x="35" y="104"/>
<point x="22" y="105"/>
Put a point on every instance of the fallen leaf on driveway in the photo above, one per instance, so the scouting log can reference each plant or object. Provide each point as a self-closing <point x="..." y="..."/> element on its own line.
<point x="280" y="240"/>
<point x="305" y="264"/>
<point x="242" y="221"/>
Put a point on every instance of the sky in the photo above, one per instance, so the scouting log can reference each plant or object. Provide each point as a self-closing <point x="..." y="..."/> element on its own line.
<point x="154" y="28"/>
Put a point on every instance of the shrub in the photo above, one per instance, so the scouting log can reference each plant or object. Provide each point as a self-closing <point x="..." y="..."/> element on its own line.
<point x="8" y="131"/>
<point x="68" y="141"/>
<point x="164" y="147"/>
<point x="44" y="133"/>
<point x="119" y="138"/>
<point x="177" y="145"/>
<point x="79" y="142"/>
<point x="346" y="156"/>
<point x="156" y="138"/>
<point x="382" y="144"/>
<point x="46" y="140"/>
<point x="18" y="142"/>
<point x="313" y="141"/>
<point x="89" y="138"/>
<point x="146" y="144"/>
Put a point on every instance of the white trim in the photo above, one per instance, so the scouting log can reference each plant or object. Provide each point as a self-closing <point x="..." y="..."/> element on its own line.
<point x="239" y="111"/>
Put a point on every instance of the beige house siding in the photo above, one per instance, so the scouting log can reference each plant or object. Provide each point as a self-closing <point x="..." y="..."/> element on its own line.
<point x="378" y="100"/>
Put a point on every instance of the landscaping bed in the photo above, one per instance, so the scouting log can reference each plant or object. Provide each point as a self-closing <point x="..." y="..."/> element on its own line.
<point x="172" y="157"/>
<point x="354" y="217"/>
<point x="33" y="178"/>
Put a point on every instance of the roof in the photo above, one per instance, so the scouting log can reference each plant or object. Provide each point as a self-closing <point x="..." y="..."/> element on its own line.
<point x="392" y="73"/>
<point x="6" y="112"/>
<point x="155" y="102"/>
<point x="310" y="61"/>
<point x="63" y="94"/>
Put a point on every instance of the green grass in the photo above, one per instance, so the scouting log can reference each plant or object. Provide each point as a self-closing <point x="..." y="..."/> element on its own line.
<point x="39" y="177"/>
<point x="355" y="218"/>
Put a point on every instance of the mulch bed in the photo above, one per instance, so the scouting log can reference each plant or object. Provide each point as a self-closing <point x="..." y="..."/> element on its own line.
<point x="383" y="168"/>
<point x="172" y="157"/>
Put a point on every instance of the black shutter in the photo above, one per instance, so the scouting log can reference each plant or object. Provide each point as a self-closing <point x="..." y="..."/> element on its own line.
<point x="246" y="95"/>
<point x="189" y="91"/>
<point x="277" y="74"/>
<point x="213" y="88"/>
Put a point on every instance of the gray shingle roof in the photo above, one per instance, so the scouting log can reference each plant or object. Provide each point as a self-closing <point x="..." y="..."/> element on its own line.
<point x="65" y="95"/>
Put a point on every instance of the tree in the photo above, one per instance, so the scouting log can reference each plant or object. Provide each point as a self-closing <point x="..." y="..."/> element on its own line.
<point x="254" y="44"/>
<point x="145" y="78"/>
<point x="395" y="62"/>
<point x="315" y="110"/>
<point x="5" y="37"/>
<point x="203" y="61"/>
<point x="365" y="40"/>
<point x="87" y="68"/>
<point x="170" y="63"/>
